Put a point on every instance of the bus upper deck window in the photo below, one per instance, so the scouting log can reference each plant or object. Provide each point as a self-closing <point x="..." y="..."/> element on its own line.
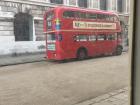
<point x="81" y="15"/>
<point x="91" y="16"/>
<point x="111" y="18"/>
<point x="69" y="14"/>
<point x="107" y="17"/>
<point x="101" y="16"/>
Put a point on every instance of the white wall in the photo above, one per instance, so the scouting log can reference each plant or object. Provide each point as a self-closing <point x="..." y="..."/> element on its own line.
<point x="7" y="46"/>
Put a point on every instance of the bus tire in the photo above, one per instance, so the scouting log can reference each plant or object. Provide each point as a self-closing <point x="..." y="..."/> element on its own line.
<point x="82" y="54"/>
<point x="118" y="50"/>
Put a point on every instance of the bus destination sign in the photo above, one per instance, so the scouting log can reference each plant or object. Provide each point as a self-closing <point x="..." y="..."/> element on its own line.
<point x="93" y="25"/>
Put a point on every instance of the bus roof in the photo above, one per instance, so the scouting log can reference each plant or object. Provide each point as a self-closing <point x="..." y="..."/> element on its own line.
<point x="85" y="10"/>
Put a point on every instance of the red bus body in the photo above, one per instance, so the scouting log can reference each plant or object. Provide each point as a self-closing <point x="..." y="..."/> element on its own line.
<point x="70" y="29"/>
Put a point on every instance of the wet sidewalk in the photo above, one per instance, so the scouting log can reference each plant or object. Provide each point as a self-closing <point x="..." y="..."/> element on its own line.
<point x="117" y="97"/>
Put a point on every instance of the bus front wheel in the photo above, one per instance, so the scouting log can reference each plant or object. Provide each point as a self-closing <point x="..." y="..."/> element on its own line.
<point x="81" y="54"/>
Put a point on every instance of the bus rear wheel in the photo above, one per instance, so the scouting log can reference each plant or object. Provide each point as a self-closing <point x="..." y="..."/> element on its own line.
<point x="82" y="54"/>
<point x="118" y="51"/>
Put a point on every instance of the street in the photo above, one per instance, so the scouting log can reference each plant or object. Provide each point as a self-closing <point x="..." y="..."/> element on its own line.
<point x="53" y="83"/>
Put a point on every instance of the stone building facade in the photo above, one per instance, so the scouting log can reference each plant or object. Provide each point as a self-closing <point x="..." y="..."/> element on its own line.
<point x="21" y="21"/>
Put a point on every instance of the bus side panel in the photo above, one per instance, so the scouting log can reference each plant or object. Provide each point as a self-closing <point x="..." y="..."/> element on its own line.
<point x="68" y="45"/>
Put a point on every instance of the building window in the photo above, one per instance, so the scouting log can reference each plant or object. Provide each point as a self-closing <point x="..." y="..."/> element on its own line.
<point x="119" y="5"/>
<point x="114" y="5"/>
<point x="124" y="7"/>
<point x="103" y="4"/>
<point x="93" y="3"/>
<point x="128" y="6"/>
<point x="23" y="27"/>
<point x="82" y="3"/>
<point x="72" y="2"/>
<point x="38" y="30"/>
<point x="56" y="1"/>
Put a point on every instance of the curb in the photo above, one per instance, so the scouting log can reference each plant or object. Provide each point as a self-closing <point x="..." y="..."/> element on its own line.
<point x="6" y="61"/>
<point x="104" y="97"/>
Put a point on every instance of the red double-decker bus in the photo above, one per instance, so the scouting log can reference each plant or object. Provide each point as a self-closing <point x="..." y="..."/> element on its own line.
<point x="81" y="33"/>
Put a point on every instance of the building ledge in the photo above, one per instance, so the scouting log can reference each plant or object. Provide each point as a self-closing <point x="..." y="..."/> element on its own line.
<point x="32" y="3"/>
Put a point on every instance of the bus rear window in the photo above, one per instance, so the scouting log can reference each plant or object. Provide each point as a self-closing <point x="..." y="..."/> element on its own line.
<point x="50" y="16"/>
<point x="51" y="38"/>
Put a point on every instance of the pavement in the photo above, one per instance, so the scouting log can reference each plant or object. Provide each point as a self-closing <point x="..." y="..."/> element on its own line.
<point x="54" y="83"/>
<point x="117" y="97"/>
<point x="20" y="59"/>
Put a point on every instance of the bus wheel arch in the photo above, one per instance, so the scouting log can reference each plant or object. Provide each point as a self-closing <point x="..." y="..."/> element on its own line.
<point x="82" y="53"/>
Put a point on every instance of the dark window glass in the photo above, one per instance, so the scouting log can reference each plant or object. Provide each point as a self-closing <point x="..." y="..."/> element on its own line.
<point x="23" y="27"/>
<point x="107" y="17"/>
<point x="50" y="16"/>
<point x="49" y="24"/>
<point x="69" y="14"/>
<point x="92" y="38"/>
<point x="103" y="4"/>
<point x="82" y="3"/>
<point x="81" y="38"/>
<point x="120" y="5"/>
<point x="101" y="16"/>
<point x="59" y="37"/>
<point x="91" y="16"/>
<point x="112" y="37"/>
<point x="101" y="37"/>
<point x="56" y="1"/>
<point x="80" y="15"/>
<point x="51" y="37"/>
